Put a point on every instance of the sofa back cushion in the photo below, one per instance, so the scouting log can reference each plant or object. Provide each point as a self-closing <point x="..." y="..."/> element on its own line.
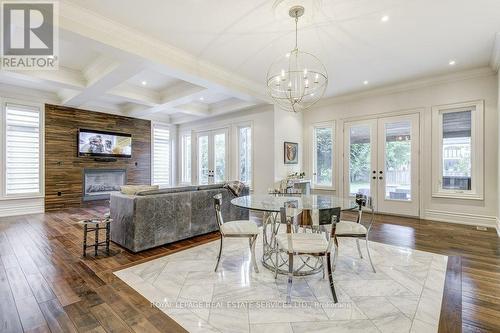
<point x="134" y="189"/>
<point x="169" y="190"/>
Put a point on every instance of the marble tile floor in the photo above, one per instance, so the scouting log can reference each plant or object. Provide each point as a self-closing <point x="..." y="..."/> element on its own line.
<point x="403" y="296"/>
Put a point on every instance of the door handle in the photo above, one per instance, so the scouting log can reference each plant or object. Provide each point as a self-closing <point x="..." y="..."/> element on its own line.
<point x="374" y="177"/>
<point x="380" y="177"/>
<point x="381" y="172"/>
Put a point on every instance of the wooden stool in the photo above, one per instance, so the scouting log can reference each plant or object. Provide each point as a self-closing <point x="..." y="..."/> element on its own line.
<point x="96" y="225"/>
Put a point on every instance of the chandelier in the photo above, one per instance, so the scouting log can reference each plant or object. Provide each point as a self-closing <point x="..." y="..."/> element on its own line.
<point x="297" y="80"/>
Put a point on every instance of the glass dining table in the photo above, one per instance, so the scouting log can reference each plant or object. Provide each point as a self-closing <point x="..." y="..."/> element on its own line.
<point x="271" y="205"/>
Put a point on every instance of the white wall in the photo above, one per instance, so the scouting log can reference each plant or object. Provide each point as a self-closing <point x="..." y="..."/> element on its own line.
<point x="498" y="187"/>
<point x="473" y="85"/>
<point x="288" y="127"/>
<point x="262" y="120"/>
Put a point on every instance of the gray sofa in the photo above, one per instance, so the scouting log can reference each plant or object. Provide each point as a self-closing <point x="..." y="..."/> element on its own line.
<point x="153" y="218"/>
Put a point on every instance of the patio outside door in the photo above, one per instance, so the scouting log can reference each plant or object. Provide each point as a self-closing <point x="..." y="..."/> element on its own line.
<point x="382" y="158"/>
<point x="212" y="156"/>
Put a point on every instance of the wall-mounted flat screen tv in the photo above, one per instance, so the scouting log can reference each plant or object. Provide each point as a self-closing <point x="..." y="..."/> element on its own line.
<point x="105" y="144"/>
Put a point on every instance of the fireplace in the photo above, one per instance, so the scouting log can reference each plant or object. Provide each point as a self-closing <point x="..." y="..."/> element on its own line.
<point x="98" y="184"/>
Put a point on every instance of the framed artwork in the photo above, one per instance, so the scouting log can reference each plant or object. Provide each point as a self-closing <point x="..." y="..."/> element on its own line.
<point x="291" y="150"/>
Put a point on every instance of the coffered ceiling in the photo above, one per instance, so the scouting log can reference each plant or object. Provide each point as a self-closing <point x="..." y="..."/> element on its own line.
<point x="184" y="60"/>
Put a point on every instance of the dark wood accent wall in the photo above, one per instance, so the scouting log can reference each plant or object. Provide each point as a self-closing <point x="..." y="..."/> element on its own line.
<point x="64" y="169"/>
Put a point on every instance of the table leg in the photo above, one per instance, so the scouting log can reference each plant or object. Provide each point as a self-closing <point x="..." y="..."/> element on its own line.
<point x="107" y="237"/>
<point x="96" y="239"/>
<point x="84" y="240"/>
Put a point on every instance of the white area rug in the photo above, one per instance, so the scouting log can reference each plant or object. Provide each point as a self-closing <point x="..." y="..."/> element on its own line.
<point x="403" y="296"/>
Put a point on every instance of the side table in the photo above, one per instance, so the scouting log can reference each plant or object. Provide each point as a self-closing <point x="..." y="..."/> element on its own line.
<point x="95" y="225"/>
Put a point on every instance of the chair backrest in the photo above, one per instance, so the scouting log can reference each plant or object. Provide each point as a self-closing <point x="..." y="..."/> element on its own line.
<point x="313" y="218"/>
<point x="364" y="202"/>
<point x="217" y="206"/>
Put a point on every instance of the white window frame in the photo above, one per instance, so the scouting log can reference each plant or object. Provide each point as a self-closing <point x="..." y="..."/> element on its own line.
<point x="170" y="148"/>
<point x="238" y="127"/>
<point x="3" y="150"/>
<point x="331" y="124"/>
<point x="477" y="155"/>
<point x="182" y="155"/>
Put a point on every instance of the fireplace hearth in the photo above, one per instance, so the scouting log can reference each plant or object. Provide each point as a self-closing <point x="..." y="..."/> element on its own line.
<point x="98" y="184"/>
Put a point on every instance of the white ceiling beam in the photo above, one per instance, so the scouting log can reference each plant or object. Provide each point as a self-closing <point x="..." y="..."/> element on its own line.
<point x="64" y="78"/>
<point x="179" y="94"/>
<point x="194" y="109"/>
<point x="103" y="75"/>
<point x="136" y="95"/>
<point x="172" y="61"/>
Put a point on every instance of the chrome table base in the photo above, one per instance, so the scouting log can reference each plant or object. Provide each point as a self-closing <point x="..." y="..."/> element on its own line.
<point x="271" y="257"/>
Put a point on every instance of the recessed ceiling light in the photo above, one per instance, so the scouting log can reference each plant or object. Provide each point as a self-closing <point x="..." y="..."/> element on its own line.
<point x="365" y="82"/>
<point x="201" y="98"/>
<point x="144" y="83"/>
<point x="385" y="18"/>
<point x="452" y="63"/>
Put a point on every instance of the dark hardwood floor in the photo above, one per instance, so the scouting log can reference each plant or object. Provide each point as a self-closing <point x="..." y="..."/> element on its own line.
<point x="46" y="285"/>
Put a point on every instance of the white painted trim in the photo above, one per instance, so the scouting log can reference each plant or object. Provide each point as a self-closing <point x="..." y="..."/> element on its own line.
<point x="498" y="227"/>
<point x="461" y="218"/>
<point x="477" y="146"/>
<point x="16" y="207"/>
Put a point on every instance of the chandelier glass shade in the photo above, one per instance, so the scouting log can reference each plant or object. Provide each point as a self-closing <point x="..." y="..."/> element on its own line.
<point x="298" y="79"/>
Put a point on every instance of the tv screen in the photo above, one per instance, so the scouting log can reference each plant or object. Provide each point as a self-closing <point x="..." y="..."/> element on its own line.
<point x="101" y="143"/>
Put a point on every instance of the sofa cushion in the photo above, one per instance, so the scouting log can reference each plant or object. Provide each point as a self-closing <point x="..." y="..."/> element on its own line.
<point x="169" y="190"/>
<point x="134" y="189"/>
<point x="210" y="186"/>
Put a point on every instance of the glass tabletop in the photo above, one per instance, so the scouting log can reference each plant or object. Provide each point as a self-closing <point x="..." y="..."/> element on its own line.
<point x="273" y="203"/>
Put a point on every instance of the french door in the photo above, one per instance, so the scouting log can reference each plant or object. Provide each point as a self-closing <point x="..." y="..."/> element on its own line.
<point x="212" y="156"/>
<point x="382" y="159"/>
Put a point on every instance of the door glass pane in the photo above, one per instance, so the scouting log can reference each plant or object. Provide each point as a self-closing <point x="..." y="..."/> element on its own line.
<point x="359" y="160"/>
<point x="323" y="158"/>
<point x="398" y="160"/>
<point x="203" y="160"/>
<point x="220" y="157"/>
<point x="245" y="150"/>
<point x="457" y="151"/>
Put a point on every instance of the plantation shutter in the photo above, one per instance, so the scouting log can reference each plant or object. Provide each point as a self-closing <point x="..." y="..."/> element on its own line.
<point x="22" y="150"/>
<point x="161" y="155"/>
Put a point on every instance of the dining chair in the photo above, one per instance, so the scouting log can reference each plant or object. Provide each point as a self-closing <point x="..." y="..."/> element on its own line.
<point x="236" y="229"/>
<point x="356" y="229"/>
<point x="313" y="244"/>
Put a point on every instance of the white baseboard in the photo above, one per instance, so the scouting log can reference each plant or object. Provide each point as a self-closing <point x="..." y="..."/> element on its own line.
<point x="462" y="218"/>
<point x="21" y="207"/>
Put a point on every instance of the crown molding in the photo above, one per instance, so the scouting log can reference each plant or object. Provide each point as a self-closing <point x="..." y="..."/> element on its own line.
<point x="495" y="54"/>
<point x="408" y="86"/>
<point x="75" y="19"/>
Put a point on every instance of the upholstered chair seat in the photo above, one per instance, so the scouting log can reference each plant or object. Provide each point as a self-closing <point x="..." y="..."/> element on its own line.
<point x="235" y="229"/>
<point x="241" y="227"/>
<point x="350" y="228"/>
<point x="303" y="242"/>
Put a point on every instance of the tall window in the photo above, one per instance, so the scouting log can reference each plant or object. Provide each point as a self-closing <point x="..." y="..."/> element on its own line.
<point x="323" y="135"/>
<point x="458" y="144"/>
<point x="161" y="155"/>
<point x="22" y="150"/>
<point x="186" y="158"/>
<point x="245" y="154"/>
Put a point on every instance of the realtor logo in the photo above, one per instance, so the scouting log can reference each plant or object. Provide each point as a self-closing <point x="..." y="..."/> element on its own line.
<point x="29" y="35"/>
